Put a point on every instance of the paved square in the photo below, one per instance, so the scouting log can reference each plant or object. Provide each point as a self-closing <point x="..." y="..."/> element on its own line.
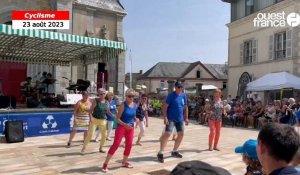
<point x="48" y="155"/>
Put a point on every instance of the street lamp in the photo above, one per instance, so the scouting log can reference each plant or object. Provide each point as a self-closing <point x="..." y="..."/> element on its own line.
<point x="130" y="58"/>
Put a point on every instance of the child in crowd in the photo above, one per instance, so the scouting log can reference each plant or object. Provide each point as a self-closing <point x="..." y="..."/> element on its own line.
<point x="250" y="157"/>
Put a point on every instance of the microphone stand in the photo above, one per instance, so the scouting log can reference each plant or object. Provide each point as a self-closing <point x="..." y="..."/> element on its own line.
<point x="9" y="107"/>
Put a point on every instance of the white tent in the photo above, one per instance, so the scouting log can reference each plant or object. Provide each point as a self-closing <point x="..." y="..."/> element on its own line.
<point x="274" y="81"/>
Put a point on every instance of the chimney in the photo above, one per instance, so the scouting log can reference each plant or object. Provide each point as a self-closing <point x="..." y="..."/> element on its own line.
<point x="141" y="72"/>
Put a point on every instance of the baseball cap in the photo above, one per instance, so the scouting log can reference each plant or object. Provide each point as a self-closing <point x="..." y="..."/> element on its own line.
<point x="197" y="167"/>
<point x="179" y="84"/>
<point x="248" y="149"/>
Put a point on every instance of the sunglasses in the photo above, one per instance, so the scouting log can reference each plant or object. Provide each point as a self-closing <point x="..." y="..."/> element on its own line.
<point x="130" y="96"/>
<point x="179" y="87"/>
<point x="101" y="94"/>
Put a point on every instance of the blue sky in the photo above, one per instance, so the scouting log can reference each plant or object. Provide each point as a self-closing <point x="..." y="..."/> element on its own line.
<point x="175" y="31"/>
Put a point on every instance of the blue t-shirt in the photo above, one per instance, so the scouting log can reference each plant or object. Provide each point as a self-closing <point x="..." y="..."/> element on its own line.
<point x="176" y="105"/>
<point x="113" y="110"/>
<point x="128" y="114"/>
<point x="285" y="171"/>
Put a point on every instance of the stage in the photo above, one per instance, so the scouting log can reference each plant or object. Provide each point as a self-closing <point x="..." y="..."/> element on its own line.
<point x="39" y="121"/>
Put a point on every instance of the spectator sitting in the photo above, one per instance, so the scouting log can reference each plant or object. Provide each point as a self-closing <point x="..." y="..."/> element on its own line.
<point x="256" y="98"/>
<point x="250" y="157"/>
<point x="227" y="106"/>
<point x="270" y="113"/>
<point x="277" y="145"/>
<point x="237" y="113"/>
<point x="290" y="109"/>
<point x="203" y="117"/>
<point x="278" y="112"/>
<point x="246" y="109"/>
<point x="258" y="112"/>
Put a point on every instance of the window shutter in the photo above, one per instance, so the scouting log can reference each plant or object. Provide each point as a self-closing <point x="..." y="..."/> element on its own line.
<point x="254" y="51"/>
<point x="242" y="53"/>
<point x="271" y="47"/>
<point x="289" y="43"/>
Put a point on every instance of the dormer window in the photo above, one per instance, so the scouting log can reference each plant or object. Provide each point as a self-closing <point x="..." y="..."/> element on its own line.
<point x="198" y="74"/>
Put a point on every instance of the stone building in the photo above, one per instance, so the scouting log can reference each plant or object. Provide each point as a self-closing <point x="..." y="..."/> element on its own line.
<point x="193" y="74"/>
<point x="101" y="19"/>
<point x="257" y="50"/>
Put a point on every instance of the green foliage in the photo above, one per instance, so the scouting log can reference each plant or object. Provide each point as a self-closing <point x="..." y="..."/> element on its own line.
<point x="157" y="104"/>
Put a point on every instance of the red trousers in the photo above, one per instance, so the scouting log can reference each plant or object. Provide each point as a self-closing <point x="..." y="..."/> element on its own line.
<point x="121" y="132"/>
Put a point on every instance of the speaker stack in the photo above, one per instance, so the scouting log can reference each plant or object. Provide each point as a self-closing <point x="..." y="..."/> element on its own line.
<point x="14" y="131"/>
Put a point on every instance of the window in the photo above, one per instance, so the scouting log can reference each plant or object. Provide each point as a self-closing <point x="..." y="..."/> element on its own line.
<point x="249" y="7"/>
<point x="247" y="52"/>
<point x="198" y="75"/>
<point x="162" y="84"/>
<point x="280" y="45"/>
<point x="224" y="84"/>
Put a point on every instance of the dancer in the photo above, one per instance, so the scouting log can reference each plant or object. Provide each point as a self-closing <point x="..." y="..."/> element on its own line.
<point x="111" y="118"/>
<point x="142" y="116"/>
<point x="81" y="117"/>
<point x="125" y="118"/>
<point x="175" y="112"/>
<point x="215" y="121"/>
<point x="99" y="109"/>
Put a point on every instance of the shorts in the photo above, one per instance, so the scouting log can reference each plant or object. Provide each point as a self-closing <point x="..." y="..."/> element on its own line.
<point x="178" y="125"/>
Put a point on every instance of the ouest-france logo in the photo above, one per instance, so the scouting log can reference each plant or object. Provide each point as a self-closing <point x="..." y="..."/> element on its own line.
<point x="276" y="20"/>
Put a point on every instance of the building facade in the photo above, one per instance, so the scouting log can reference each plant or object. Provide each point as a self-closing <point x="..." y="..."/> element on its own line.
<point x="156" y="79"/>
<point x="254" y="51"/>
<point x="91" y="18"/>
<point x="134" y="78"/>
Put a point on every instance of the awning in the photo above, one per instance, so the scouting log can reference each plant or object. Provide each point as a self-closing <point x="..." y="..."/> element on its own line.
<point x="274" y="81"/>
<point x="47" y="47"/>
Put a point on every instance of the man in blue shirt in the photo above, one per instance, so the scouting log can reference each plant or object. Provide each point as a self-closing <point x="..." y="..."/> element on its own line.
<point x="277" y="145"/>
<point x="175" y="111"/>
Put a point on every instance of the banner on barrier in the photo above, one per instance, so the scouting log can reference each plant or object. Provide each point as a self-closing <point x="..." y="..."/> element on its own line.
<point x="40" y="124"/>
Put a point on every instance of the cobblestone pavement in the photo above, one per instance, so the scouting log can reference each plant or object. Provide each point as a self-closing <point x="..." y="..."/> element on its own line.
<point x="48" y="155"/>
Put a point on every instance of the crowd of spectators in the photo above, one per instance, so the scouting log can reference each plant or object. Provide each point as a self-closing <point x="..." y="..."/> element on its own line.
<point x="250" y="113"/>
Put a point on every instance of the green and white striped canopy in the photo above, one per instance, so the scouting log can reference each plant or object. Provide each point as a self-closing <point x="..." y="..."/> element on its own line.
<point x="47" y="47"/>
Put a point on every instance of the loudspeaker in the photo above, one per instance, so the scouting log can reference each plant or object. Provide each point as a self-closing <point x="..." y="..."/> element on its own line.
<point x="14" y="131"/>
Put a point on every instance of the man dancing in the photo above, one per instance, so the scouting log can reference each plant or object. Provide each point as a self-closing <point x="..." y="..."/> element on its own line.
<point x="175" y="111"/>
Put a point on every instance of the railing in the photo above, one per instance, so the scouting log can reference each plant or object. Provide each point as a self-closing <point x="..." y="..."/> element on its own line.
<point x="279" y="54"/>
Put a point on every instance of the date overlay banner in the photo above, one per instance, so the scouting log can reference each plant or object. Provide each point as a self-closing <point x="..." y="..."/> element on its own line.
<point x="33" y="19"/>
